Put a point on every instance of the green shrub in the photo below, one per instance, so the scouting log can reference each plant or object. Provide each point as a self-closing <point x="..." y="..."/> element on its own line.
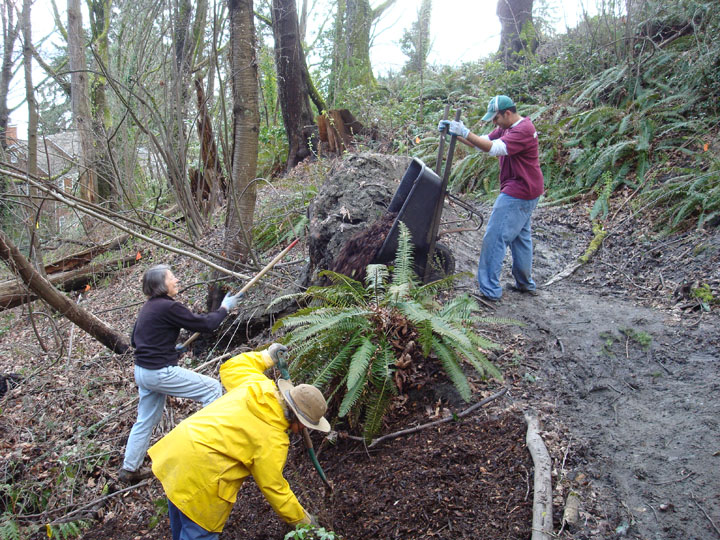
<point x="308" y="532"/>
<point x="352" y="338"/>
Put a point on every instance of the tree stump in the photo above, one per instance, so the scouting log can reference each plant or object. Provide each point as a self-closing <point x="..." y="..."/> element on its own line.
<point x="337" y="128"/>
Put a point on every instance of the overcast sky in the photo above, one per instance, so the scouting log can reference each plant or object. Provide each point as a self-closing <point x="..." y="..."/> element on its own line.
<point x="461" y="31"/>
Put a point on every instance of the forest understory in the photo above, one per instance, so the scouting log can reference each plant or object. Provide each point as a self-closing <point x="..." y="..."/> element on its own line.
<point x="618" y="360"/>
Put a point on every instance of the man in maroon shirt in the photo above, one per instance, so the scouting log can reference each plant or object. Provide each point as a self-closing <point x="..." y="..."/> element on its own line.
<point x="514" y="142"/>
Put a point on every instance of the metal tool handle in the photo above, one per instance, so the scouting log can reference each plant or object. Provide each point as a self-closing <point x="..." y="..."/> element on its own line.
<point x="435" y="223"/>
<point x="451" y="151"/>
<point x="252" y="282"/>
<point x="308" y="442"/>
<point x="441" y="146"/>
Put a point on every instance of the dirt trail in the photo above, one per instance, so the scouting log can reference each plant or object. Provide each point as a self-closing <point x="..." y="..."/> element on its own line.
<point x="636" y="387"/>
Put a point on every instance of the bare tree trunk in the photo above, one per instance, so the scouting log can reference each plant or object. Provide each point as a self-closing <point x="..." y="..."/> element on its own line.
<point x="19" y="265"/>
<point x="32" y="216"/>
<point x="337" y="70"/>
<point x="242" y="191"/>
<point x="358" y="23"/>
<point x="10" y="29"/>
<point x="517" y="34"/>
<point x="29" y="91"/>
<point x="108" y="186"/>
<point x="302" y="23"/>
<point x="184" y="43"/>
<point x="211" y="183"/>
<point x="241" y="206"/>
<point x="292" y="83"/>
<point x="81" y="102"/>
<point x="351" y="60"/>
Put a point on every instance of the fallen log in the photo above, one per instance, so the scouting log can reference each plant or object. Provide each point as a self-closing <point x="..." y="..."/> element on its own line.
<point x="42" y="288"/>
<point x="542" y="523"/>
<point x="84" y="257"/>
<point x="14" y="293"/>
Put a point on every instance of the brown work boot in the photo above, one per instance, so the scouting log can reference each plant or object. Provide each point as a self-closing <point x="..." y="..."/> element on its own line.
<point x="133" y="477"/>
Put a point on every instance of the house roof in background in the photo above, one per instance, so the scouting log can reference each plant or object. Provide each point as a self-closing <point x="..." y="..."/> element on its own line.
<point x="57" y="153"/>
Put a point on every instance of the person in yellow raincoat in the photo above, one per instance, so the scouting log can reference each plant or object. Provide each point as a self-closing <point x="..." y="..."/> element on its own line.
<point x="204" y="460"/>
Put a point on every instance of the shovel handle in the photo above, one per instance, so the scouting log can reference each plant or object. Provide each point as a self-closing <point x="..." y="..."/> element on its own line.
<point x="313" y="458"/>
<point x="268" y="267"/>
<point x="252" y="282"/>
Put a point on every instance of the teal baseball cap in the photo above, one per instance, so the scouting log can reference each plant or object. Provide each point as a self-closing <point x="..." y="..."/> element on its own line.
<point x="498" y="103"/>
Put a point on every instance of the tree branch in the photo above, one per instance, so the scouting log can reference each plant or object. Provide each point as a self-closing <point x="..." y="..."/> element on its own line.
<point x="542" y="523"/>
<point x="19" y="265"/>
<point x="50" y="71"/>
<point x="408" y="431"/>
<point x="378" y="11"/>
<point x="61" y="198"/>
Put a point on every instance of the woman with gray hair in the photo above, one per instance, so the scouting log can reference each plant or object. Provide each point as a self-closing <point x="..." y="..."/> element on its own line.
<point x="156" y="357"/>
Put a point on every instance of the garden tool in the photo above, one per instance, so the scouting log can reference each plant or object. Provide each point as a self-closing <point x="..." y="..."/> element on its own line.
<point x="250" y="283"/>
<point x="282" y="365"/>
<point x="435" y="220"/>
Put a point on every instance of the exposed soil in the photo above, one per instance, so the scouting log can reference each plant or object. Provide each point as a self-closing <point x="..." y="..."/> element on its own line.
<point x="626" y="368"/>
<point x="618" y="359"/>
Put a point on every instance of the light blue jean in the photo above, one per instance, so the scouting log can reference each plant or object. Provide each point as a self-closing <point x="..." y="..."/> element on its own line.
<point x="184" y="528"/>
<point x="153" y="386"/>
<point x="509" y="225"/>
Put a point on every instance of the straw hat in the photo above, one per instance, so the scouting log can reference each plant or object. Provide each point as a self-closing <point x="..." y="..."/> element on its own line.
<point x="307" y="402"/>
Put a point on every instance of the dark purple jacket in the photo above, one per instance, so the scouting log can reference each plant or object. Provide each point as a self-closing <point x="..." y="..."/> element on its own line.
<point x="158" y="327"/>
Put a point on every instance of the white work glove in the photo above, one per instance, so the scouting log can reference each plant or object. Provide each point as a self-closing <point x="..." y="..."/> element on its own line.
<point x="230" y="302"/>
<point x="454" y="127"/>
<point x="278" y="352"/>
<point x="458" y="128"/>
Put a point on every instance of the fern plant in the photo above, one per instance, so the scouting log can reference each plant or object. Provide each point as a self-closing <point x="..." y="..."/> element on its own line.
<point x="9" y="528"/>
<point x="354" y="339"/>
<point x="67" y="531"/>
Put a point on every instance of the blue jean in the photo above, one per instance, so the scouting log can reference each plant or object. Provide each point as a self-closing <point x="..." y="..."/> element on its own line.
<point x="153" y="386"/>
<point x="183" y="528"/>
<point x="509" y="225"/>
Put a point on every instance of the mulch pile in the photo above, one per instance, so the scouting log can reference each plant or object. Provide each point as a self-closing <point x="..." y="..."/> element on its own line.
<point x="459" y="480"/>
<point x="469" y="479"/>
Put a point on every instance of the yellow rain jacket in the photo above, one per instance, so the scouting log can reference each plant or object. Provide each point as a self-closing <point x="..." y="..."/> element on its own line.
<point x="203" y="462"/>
